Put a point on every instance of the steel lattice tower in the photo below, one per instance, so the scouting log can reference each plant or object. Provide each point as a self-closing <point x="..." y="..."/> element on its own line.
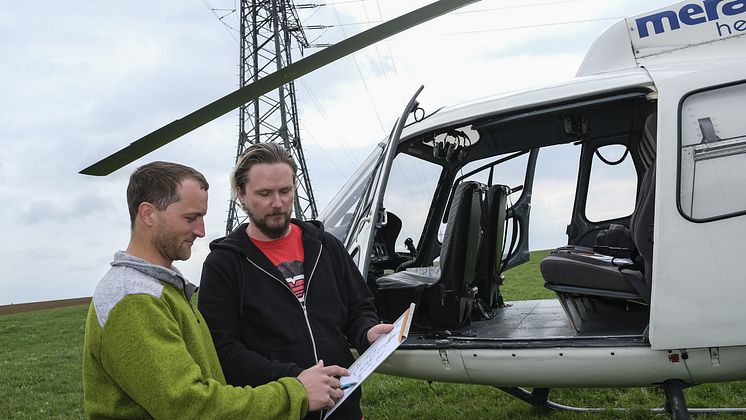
<point x="267" y="29"/>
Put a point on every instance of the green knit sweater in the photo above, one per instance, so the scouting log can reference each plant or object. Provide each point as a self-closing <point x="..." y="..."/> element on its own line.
<point x="148" y="354"/>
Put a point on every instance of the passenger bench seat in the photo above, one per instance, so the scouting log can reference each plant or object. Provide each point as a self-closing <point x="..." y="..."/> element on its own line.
<point x="580" y="271"/>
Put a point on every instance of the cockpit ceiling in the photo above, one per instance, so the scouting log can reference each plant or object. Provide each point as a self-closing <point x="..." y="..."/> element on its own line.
<point x="595" y="119"/>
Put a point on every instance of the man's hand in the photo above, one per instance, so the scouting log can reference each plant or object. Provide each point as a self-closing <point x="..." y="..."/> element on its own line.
<point x="321" y="385"/>
<point x="378" y="330"/>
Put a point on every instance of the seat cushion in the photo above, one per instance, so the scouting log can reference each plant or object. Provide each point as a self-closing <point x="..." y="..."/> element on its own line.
<point x="405" y="280"/>
<point x="584" y="269"/>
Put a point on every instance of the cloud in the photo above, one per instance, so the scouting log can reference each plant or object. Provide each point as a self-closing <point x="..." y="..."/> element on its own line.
<point x="76" y="207"/>
<point x="82" y="79"/>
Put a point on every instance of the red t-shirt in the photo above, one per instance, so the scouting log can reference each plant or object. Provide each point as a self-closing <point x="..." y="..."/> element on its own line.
<point x="287" y="255"/>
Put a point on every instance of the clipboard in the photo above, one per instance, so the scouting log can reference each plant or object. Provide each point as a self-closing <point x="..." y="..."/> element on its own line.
<point x="374" y="356"/>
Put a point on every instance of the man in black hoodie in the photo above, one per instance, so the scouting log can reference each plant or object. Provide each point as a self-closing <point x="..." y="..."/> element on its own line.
<point x="278" y="294"/>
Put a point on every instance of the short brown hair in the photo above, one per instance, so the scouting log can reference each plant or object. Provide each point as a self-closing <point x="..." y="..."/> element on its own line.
<point x="158" y="183"/>
<point x="268" y="152"/>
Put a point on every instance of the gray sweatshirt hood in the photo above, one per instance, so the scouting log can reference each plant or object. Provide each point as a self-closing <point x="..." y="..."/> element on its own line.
<point x="130" y="275"/>
<point x="171" y="275"/>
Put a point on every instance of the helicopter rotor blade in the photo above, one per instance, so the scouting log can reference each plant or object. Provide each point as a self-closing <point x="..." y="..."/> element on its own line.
<point x="202" y="116"/>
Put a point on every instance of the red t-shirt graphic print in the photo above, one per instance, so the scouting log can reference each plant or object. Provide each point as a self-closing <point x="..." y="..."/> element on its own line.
<point x="287" y="255"/>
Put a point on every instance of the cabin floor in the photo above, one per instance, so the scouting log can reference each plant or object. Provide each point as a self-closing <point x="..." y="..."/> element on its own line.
<point x="527" y="319"/>
<point x="540" y="320"/>
<point x="545" y="318"/>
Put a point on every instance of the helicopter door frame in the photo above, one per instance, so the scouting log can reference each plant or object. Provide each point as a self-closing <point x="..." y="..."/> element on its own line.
<point x="697" y="280"/>
<point x="369" y="218"/>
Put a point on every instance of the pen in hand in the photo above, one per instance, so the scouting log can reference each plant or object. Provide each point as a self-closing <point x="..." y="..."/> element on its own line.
<point x="348" y="385"/>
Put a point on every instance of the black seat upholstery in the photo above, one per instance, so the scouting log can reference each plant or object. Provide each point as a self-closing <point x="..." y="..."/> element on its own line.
<point x="574" y="271"/>
<point x="493" y="244"/>
<point x="641" y="225"/>
<point x="384" y="253"/>
<point x="443" y="290"/>
<point x="581" y="271"/>
<point x="390" y="232"/>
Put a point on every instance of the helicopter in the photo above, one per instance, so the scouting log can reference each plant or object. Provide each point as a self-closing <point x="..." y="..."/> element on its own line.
<point x="646" y="297"/>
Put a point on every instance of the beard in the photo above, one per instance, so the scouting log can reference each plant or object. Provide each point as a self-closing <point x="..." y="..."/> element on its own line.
<point x="269" y="227"/>
<point x="170" y="245"/>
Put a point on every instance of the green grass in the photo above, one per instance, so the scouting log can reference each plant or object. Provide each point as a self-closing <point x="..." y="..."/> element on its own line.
<point x="388" y="397"/>
<point x="41" y="353"/>
<point x="40" y="364"/>
<point x="525" y="282"/>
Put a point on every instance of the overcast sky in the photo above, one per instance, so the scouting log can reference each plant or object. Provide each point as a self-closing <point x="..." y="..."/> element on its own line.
<point x="80" y="80"/>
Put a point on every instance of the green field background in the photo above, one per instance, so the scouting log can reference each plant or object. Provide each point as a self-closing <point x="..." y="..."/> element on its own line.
<point x="41" y="353"/>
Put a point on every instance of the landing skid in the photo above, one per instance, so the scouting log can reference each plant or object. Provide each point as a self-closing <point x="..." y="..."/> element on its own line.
<point x="673" y="389"/>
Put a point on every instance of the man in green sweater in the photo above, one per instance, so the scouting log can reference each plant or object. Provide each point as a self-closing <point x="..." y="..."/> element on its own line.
<point x="147" y="350"/>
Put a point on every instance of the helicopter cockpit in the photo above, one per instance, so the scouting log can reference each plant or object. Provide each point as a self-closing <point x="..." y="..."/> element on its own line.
<point x="457" y="203"/>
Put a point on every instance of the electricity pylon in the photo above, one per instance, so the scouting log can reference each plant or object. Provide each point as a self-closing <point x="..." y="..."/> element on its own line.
<point x="267" y="30"/>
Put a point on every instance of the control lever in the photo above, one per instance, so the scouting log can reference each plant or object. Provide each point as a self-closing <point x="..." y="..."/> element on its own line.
<point x="409" y="243"/>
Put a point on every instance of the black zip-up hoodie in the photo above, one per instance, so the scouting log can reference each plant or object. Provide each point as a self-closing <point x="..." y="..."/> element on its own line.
<point x="262" y="332"/>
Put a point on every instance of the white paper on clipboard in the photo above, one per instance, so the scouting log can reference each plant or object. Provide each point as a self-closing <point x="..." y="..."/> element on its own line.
<point x="375" y="355"/>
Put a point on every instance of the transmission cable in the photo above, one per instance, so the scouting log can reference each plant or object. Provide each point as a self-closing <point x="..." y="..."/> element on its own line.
<point x="231" y="30"/>
<point x="534" y="26"/>
<point x="521" y="6"/>
<point x="308" y="133"/>
<point x="323" y="113"/>
<point x="360" y="72"/>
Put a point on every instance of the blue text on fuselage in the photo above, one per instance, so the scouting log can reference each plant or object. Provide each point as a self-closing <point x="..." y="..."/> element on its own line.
<point x="689" y="14"/>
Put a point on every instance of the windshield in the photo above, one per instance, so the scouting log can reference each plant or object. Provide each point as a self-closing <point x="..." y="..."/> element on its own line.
<point x="338" y="215"/>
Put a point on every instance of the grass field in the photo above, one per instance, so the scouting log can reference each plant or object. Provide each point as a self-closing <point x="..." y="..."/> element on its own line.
<point x="40" y="376"/>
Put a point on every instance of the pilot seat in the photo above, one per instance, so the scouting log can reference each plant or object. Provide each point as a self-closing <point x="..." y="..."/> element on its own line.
<point x="444" y="294"/>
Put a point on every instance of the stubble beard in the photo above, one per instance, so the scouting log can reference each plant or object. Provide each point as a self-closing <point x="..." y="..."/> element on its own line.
<point x="170" y="245"/>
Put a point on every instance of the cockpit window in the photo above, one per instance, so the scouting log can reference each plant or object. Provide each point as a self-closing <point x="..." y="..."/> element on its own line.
<point x="409" y="195"/>
<point x="338" y="215"/>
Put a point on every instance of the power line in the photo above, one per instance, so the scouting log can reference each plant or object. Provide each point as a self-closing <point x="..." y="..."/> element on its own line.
<point x="323" y="113"/>
<point x="310" y="16"/>
<point x="508" y="28"/>
<point x="308" y="133"/>
<point x="360" y="72"/>
<point x="323" y="32"/>
<point x="521" y="6"/>
<point x="378" y="51"/>
<point x="317" y="5"/>
<point x="231" y="30"/>
<point x="391" y="57"/>
<point x="312" y="96"/>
